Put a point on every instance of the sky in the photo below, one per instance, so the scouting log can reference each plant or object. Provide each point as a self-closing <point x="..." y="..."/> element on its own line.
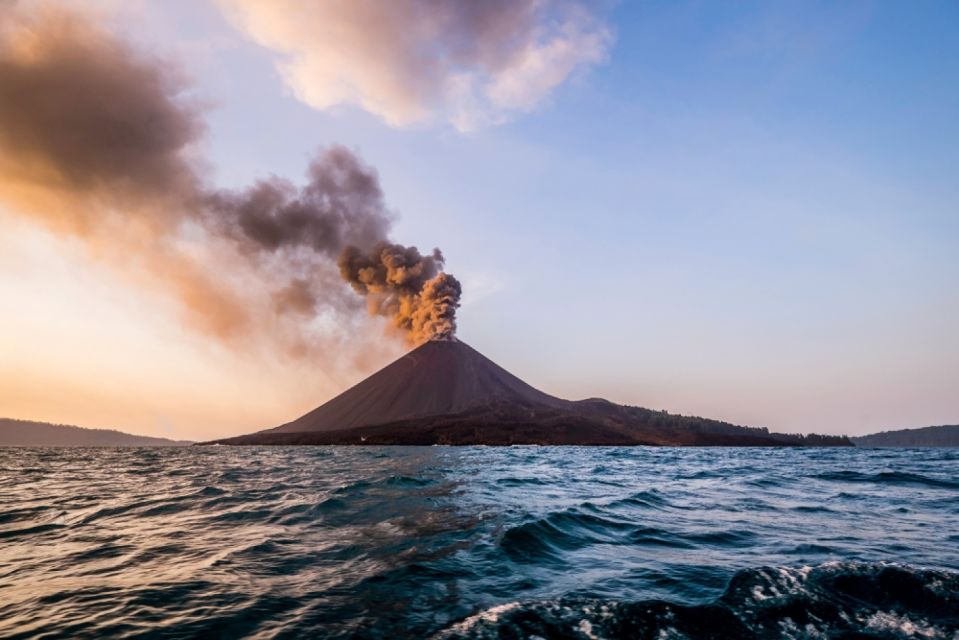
<point x="743" y="211"/>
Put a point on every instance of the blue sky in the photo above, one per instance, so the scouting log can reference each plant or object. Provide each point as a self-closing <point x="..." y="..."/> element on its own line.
<point x="749" y="211"/>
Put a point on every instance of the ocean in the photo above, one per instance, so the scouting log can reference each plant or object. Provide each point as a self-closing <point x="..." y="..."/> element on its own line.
<point x="479" y="542"/>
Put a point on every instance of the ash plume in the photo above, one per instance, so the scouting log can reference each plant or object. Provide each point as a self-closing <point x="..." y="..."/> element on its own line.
<point x="98" y="141"/>
<point x="341" y="204"/>
<point x="408" y="288"/>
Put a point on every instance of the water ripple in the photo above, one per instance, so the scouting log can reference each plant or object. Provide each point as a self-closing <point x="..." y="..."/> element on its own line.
<point x="478" y="542"/>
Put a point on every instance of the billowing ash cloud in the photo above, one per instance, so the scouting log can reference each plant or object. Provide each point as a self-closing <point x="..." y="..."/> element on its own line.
<point x="406" y="287"/>
<point x="96" y="140"/>
<point x="472" y="62"/>
<point x="341" y="204"/>
<point x="87" y="121"/>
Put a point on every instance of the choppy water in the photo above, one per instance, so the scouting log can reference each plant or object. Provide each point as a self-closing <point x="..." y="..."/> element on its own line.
<point x="479" y="542"/>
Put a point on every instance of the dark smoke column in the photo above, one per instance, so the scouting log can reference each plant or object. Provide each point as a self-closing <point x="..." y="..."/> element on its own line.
<point x="95" y="143"/>
<point x="408" y="288"/>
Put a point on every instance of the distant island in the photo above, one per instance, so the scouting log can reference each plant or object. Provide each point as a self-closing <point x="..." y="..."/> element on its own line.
<point x="446" y="392"/>
<point x="25" y="433"/>
<point x="946" y="435"/>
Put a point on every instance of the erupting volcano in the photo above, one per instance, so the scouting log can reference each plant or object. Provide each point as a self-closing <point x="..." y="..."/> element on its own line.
<point x="446" y="392"/>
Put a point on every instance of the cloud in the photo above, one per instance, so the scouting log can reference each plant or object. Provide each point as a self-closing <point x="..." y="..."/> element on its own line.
<point x="408" y="288"/>
<point x="97" y="141"/>
<point x="473" y="63"/>
<point x="89" y="126"/>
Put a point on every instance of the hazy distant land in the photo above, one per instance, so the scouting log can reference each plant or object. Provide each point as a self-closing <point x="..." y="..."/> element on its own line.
<point x="942" y="436"/>
<point x="26" y="433"/>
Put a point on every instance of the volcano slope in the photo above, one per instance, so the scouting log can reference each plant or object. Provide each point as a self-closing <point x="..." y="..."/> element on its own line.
<point x="446" y="392"/>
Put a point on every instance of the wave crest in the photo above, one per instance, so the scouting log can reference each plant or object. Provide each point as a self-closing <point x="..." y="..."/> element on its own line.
<point x="829" y="600"/>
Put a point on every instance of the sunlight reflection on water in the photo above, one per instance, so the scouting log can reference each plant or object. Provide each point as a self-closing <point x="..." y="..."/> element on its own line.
<point x="371" y="542"/>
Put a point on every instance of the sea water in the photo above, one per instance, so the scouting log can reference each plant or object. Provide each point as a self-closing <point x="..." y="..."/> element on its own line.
<point x="479" y="542"/>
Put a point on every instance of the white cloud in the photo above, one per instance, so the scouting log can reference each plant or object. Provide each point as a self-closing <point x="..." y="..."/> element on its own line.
<point x="413" y="61"/>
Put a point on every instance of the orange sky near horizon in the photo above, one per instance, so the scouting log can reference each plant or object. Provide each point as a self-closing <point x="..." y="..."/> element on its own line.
<point x="662" y="207"/>
<point x="83" y="346"/>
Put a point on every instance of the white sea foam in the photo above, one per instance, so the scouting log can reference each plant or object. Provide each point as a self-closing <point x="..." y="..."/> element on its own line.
<point x="903" y="626"/>
<point x="489" y="616"/>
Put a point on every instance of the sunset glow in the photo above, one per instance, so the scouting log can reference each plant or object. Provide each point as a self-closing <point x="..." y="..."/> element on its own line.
<point x="758" y="225"/>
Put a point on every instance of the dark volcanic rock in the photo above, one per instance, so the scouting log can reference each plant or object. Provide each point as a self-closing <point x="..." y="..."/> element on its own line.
<point x="437" y="378"/>
<point x="445" y="392"/>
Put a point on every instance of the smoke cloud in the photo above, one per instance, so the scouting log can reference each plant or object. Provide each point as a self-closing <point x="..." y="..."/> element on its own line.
<point x="98" y="141"/>
<point x="408" y="61"/>
<point x="406" y="287"/>
<point x="89" y="124"/>
<point x="341" y="204"/>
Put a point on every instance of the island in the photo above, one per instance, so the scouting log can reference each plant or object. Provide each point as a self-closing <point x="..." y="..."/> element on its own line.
<point x="444" y="392"/>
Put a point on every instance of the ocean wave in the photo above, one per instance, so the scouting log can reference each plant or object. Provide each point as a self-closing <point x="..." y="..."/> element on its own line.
<point x="393" y="542"/>
<point x="650" y="499"/>
<point x="833" y="600"/>
<point x="562" y="531"/>
<point x="889" y="478"/>
<point x="591" y="524"/>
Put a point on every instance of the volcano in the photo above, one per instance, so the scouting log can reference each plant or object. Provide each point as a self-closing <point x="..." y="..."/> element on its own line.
<point x="446" y="392"/>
